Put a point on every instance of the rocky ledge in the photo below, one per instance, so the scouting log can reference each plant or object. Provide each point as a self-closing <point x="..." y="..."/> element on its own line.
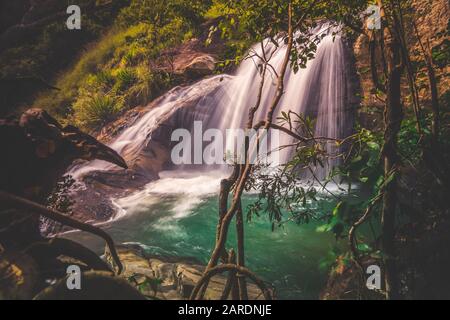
<point x="170" y="278"/>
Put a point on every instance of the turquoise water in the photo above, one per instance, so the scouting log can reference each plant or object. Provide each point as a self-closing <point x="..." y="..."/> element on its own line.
<point x="170" y="218"/>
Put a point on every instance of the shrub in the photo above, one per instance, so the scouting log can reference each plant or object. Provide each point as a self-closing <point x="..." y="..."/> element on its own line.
<point x="94" y="110"/>
<point x="104" y="79"/>
<point x="125" y="78"/>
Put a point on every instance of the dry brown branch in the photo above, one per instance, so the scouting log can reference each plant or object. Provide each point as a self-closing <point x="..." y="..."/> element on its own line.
<point x="36" y="208"/>
<point x="352" y="231"/>
<point x="231" y="267"/>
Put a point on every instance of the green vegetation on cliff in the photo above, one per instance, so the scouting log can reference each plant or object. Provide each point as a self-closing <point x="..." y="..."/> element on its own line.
<point x="35" y="44"/>
<point x="121" y="69"/>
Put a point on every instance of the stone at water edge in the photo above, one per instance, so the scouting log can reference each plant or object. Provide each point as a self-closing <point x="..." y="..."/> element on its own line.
<point x="175" y="276"/>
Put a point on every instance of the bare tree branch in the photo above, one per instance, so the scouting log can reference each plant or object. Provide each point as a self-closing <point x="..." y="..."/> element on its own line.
<point x="36" y="208"/>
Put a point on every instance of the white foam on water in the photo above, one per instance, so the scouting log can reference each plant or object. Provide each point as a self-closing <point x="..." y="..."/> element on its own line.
<point x="183" y="190"/>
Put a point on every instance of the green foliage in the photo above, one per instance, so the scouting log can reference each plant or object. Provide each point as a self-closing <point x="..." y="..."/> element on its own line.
<point x="279" y="194"/>
<point x="59" y="199"/>
<point x="125" y="78"/>
<point x="114" y="74"/>
<point x="220" y="9"/>
<point x="244" y="22"/>
<point x="441" y="54"/>
<point x="50" y="49"/>
<point x="337" y="221"/>
<point x="104" y="79"/>
<point x="287" y="190"/>
<point x="362" y="163"/>
<point x="95" y="109"/>
<point x="161" y="13"/>
<point x="145" y="28"/>
<point x="147" y="284"/>
<point x="329" y="259"/>
<point x="409" y="140"/>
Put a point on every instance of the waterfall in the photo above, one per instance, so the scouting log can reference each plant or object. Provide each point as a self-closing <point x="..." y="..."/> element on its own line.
<point x="319" y="91"/>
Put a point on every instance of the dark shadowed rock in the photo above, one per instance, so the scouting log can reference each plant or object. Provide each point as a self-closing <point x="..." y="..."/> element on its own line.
<point x="36" y="152"/>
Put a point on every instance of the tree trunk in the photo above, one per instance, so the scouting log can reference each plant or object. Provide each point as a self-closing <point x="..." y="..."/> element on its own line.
<point x="393" y="116"/>
<point x="241" y="255"/>
<point x="231" y="284"/>
<point x="434" y="102"/>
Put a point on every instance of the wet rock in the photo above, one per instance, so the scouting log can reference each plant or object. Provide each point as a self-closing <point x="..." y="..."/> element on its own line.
<point x="170" y="278"/>
<point x="151" y="156"/>
<point x="432" y="21"/>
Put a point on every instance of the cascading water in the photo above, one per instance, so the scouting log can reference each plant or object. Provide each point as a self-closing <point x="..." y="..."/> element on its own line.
<point x="319" y="91"/>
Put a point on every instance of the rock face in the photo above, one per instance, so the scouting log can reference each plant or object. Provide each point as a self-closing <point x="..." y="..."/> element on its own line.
<point x="169" y="278"/>
<point x="195" y="65"/>
<point x="192" y="60"/>
<point x="432" y="19"/>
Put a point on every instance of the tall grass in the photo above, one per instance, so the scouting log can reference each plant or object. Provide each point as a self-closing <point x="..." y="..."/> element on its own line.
<point x="126" y="78"/>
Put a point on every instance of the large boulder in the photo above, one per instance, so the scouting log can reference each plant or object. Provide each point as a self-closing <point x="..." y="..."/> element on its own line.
<point x="195" y="65"/>
<point x="191" y="60"/>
